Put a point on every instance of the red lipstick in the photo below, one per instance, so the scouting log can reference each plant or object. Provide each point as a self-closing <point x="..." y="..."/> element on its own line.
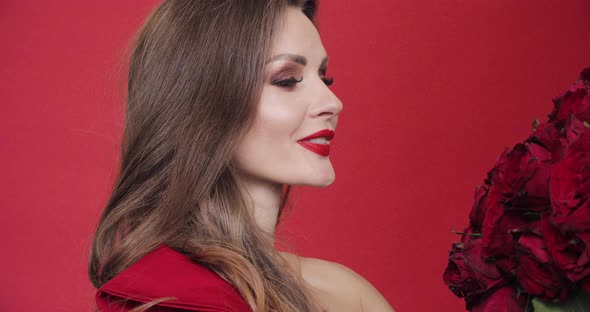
<point x="321" y="149"/>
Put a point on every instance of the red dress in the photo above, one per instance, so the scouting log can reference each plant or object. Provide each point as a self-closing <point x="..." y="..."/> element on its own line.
<point x="165" y="272"/>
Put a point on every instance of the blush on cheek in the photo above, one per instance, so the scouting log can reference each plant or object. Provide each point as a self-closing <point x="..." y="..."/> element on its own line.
<point x="280" y="119"/>
<point x="281" y="111"/>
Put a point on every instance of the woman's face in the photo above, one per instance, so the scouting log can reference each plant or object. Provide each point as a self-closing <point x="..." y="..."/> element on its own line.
<point x="295" y="103"/>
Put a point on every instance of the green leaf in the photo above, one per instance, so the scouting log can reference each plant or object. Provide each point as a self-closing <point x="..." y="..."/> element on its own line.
<point x="586" y="124"/>
<point x="578" y="302"/>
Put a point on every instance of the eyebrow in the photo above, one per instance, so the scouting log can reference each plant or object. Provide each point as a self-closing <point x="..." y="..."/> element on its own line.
<point x="299" y="59"/>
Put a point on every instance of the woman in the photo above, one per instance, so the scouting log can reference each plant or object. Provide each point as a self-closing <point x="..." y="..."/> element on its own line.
<point x="228" y="106"/>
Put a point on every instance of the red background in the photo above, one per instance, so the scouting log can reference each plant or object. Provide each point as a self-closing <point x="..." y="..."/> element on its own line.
<point x="432" y="90"/>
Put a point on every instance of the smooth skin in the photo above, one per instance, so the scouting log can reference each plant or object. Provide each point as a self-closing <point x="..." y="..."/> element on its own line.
<point x="338" y="288"/>
<point x="296" y="101"/>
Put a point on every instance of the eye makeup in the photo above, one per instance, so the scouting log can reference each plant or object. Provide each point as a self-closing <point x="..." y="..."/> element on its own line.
<point x="288" y="73"/>
<point x="284" y="72"/>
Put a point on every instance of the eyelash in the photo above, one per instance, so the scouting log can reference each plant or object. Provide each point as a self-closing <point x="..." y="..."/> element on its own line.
<point x="288" y="82"/>
<point x="292" y="81"/>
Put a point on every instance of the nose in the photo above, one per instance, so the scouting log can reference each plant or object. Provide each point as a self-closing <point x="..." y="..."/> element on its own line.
<point x="327" y="103"/>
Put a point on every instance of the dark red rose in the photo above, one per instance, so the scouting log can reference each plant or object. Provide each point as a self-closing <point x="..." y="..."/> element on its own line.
<point x="504" y="299"/>
<point x="501" y="243"/>
<point x="568" y="229"/>
<point x="571" y="131"/>
<point x="525" y="186"/>
<point x="522" y="178"/>
<point x="530" y="220"/>
<point x="536" y="271"/>
<point x="480" y="204"/>
<point x="516" y="192"/>
<point x="468" y="274"/>
<point x="550" y="136"/>
<point x="483" y="199"/>
<point x="576" y="101"/>
<point x="570" y="252"/>
<point x="570" y="185"/>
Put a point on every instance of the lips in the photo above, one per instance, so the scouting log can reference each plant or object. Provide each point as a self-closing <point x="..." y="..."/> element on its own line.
<point x="321" y="149"/>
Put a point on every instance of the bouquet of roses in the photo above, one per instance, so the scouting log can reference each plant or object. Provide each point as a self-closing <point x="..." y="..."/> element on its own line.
<point x="527" y="246"/>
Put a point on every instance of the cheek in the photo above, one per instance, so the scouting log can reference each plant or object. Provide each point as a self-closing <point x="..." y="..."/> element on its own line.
<point x="279" y="119"/>
<point x="271" y="143"/>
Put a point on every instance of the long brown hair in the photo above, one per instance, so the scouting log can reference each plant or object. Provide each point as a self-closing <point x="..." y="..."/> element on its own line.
<point x="195" y="77"/>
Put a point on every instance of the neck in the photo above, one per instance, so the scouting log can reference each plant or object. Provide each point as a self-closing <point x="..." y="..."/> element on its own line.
<point x="263" y="199"/>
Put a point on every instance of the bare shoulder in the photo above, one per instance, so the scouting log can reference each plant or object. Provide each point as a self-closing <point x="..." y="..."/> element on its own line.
<point x="341" y="283"/>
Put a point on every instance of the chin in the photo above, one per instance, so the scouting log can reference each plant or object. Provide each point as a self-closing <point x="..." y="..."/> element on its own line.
<point x="324" y="178"/>
<point x="314" y="178"/>
<point x="320" y="181"/>
<point x="323" y="185"/>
